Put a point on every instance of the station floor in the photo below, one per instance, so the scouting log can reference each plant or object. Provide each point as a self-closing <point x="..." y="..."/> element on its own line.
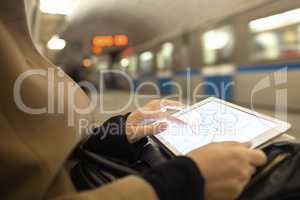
<point x="118" y="102"/>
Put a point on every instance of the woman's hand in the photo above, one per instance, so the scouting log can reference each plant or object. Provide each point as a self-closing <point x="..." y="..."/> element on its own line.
<point x="140" y="123"/>
<point x="227" y="168"/>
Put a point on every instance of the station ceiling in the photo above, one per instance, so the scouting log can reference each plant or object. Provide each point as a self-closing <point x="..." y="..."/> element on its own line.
<point x="144" y="20"/>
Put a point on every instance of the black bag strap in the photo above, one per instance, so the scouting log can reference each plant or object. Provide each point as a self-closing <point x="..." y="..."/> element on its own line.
<point x="93" y="170"/>
<point x="104" y="163"/>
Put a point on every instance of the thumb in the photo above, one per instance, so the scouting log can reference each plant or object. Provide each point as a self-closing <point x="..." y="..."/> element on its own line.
<point x="247" y="144"/>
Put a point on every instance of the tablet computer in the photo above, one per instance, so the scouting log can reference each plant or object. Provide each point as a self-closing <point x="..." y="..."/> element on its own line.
<point x="215" y="120"/>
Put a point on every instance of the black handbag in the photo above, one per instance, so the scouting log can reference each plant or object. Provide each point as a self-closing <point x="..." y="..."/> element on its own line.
<point x="92" y="170"/>
<point x="279" y="179"/>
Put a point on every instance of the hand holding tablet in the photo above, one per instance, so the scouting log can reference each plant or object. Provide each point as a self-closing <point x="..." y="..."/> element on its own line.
<point x="227" y="168"/>
<point x="215" y="120"/>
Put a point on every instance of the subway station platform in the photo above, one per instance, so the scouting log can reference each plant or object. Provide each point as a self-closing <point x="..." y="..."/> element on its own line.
<point x="115" y="102"/>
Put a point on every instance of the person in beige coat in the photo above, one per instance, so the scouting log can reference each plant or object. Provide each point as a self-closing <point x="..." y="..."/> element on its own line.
<point x="34" y="148"/>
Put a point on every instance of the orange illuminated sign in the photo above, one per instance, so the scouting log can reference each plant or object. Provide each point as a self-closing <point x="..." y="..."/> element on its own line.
<point x="97" y="50"/>
<point x="121" y="40"/>
<point x="103" y="41"/>
<point x="110" y="40"/>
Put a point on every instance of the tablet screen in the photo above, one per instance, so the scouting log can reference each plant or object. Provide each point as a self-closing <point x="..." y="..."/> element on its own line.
<point x="213" y="122"/>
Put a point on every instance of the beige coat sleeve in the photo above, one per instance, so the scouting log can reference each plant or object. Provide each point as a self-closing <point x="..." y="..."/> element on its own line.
<point x="131" y="188"/>
<point x="35" y="147"/>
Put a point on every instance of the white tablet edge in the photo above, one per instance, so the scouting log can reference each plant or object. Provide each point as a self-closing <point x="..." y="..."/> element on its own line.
<point x="256" y="142"/>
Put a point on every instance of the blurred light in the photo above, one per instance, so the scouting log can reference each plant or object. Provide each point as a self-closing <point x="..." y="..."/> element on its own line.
<point x="103" y="41"/>
<point x="124" y="62"/>
<point x="97" y="50"/>
<point x="168" y="48"/>
<point x="87" y="62"/>
<point x="56" y="43"/>
<point x="146" y="56"/>
<point x="215" y="40"/>
<point x="275" y="21"/>
<point x="127" y="52"/>
<point x="270" y="42"/>
<point x="225" y="69"/>
<point x="121" y="40"/>
<point x="63" y="7"/>
<point x="290" y="36"/>
<point x="267" y="38"/>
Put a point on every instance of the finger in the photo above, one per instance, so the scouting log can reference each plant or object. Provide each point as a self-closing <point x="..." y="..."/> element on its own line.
<point x="233" y="143"/>
<point x="164" y="116"/>
<point x="257" y="157"/>
<point x="252" y="171"/>
<point x="159" y="104"/>
<point x="171" y="103"/>
<point x="247" y="144"/>
<point x="152" y="129"/>
<point x="239" y="144"/>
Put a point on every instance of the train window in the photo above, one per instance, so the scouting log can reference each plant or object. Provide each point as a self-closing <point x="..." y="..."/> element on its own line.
<point x="146" y="63"/>
<point x="276" y="37"/>
<point x="218" y="45"/>
<point x="102" y="62"/>
<point x="132" y="66"/>
<point x="165" y="57"/>
<point x="129" y="63"/>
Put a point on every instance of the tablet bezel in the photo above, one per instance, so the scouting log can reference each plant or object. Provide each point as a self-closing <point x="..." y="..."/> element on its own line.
<point x="256" y="142"/>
